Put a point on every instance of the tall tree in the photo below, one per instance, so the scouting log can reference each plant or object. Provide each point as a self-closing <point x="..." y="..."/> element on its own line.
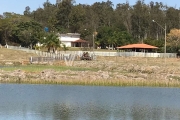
<point x="123" y="14"/>
<point x="140" y="20"/>
<point x="4" y="30"/>
<point x="104" y="12"/>
<point x="28" y="33"/>
<point x="7" y="25"/>
<point x="173" y="38"/>
<point x="76" y="18"/>
<point x="27" y="11"/>
<point x="157" y="13"/>
<point x="62" y="15"/>
<point x="172" y="17"/>
<point x="46" y="15"/>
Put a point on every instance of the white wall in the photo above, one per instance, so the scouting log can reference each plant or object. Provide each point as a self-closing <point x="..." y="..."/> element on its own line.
<point x="68" y="38"/>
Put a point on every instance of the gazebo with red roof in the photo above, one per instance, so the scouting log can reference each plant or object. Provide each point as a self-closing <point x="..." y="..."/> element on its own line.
<point x="138" y="47"/>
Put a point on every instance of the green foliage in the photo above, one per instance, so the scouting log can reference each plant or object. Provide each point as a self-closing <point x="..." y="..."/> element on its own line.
<point x="77" y="17"/>
<point x="65" y="48"/>
<point x="157" y="43"/>
<point x="103" y="13"/>
<point x="104" y="34"/>
<point x="27" y="11"/>
<point x="28" y="33"/>
<point x="114" y="37"/>
<point x="7" y="27"/>
<point x="51" y="41"/>
<point x="62" y="15"/>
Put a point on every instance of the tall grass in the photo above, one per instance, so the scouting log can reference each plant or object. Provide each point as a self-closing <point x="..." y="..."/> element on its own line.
<point x="122" y="83"/>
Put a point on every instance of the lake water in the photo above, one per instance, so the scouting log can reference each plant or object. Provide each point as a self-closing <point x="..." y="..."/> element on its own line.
<point x="57" y="102"/>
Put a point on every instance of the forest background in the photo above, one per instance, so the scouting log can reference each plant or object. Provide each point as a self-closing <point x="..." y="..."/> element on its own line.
<point x="109" y="25"/>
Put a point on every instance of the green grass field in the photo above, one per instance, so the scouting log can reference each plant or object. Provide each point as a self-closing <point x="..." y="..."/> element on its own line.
<point x="39" y="68"/>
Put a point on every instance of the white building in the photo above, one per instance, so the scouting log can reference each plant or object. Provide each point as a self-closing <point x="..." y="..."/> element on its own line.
<point x="69" y="39"/>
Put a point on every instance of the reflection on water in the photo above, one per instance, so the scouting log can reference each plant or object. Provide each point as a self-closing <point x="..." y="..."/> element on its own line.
<point x="53" y="102"/>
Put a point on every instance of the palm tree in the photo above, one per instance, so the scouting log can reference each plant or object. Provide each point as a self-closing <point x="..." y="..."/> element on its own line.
<point x="51" y="41"/>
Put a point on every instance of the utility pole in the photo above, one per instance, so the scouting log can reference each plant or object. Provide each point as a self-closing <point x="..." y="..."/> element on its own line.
<point x="165" y="29"/>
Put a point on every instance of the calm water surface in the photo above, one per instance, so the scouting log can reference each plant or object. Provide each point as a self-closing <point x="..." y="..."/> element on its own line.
<point x="56" y="102"/>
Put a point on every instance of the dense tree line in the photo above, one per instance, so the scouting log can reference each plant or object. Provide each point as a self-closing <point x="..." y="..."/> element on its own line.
<point x="110" y="25"/>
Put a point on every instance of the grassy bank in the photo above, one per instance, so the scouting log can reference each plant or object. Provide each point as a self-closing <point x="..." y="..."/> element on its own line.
<point x="121" y="83"/>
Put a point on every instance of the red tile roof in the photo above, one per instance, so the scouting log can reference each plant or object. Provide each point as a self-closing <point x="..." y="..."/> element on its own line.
<point x="80" y="41"/>
<point x="145" y="46"/>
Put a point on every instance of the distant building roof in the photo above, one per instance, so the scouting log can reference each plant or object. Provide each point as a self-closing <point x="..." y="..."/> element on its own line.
<point x="130" y="46"/>
<point x="80" y="41"/>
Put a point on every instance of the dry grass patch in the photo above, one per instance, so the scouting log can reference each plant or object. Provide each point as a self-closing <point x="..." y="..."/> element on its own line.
<point x="14" y="56"/>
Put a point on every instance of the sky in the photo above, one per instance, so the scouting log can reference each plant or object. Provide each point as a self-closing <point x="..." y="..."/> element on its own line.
<point x="18" y="6"/>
